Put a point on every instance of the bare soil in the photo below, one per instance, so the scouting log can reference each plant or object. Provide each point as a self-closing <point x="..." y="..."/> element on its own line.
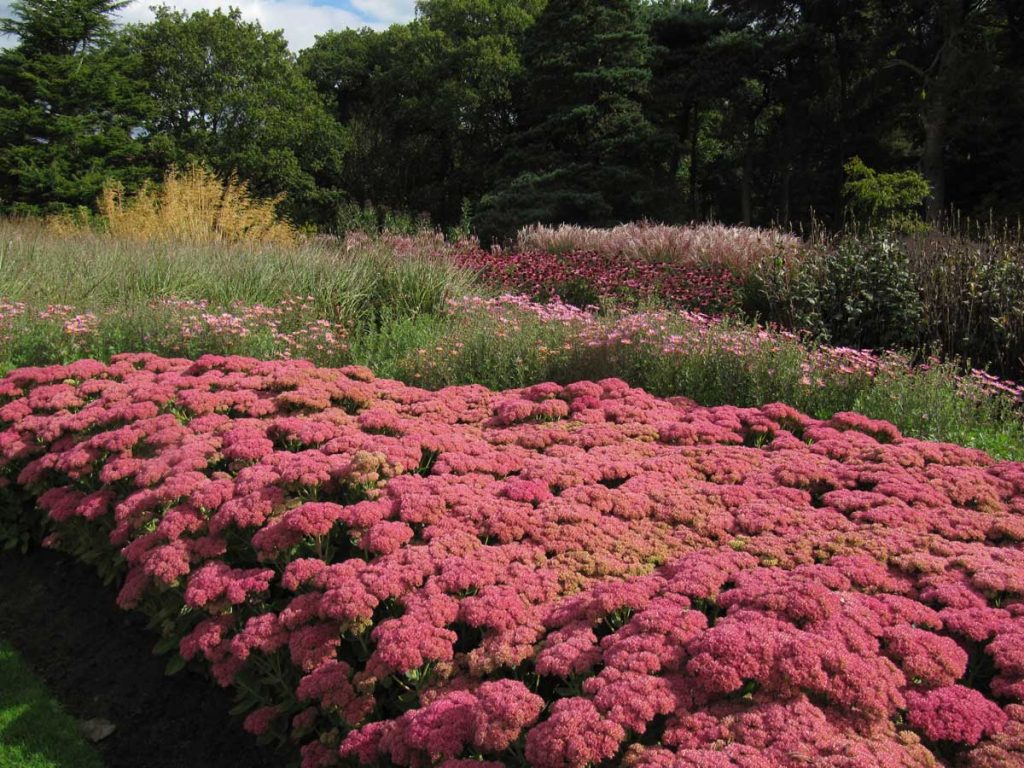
<point x="97" y="660"/>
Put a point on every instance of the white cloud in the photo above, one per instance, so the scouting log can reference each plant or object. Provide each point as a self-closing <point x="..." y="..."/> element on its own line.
<point x="389" y="11"/>
<point x="301" y="20"/>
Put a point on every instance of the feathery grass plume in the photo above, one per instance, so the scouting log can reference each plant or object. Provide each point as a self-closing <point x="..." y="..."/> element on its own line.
<point x="738" y="249"/>
<point x="194" y="205"/>
<point x="68" y="222"/>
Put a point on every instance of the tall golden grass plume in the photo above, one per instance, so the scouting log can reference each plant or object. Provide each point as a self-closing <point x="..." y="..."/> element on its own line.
<point x="194" y="205"/>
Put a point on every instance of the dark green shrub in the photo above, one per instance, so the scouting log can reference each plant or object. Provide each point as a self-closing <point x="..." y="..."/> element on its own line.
<point x="856" y="291"/>
<point x="867" y="296"/>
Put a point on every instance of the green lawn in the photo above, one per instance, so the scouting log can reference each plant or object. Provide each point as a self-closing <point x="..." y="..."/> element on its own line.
<point x="34" y="731"/>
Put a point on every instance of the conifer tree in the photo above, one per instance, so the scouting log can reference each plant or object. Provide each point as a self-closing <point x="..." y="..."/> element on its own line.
<point x="581" y="148"/>
<point x="68" y="113"/>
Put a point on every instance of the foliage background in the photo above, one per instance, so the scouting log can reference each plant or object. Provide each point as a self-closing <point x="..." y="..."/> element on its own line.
<point x="499" y="113"/>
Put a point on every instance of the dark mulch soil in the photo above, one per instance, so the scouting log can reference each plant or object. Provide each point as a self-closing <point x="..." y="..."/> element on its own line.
<point x="98" y="661"/>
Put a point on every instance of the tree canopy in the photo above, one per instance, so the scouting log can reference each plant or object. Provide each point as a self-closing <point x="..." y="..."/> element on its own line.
<point x="67" y="107"/>
<point x="581" y="148"/>
<point x="225" y="92"/>
<point x="505" y="112"/>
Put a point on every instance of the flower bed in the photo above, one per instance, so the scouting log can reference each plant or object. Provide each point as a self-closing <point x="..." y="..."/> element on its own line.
<point x="678" y="333"/>
<point x="553" y="576"/>
<point x="586" y="277"/>
<point x="290" y="328"/>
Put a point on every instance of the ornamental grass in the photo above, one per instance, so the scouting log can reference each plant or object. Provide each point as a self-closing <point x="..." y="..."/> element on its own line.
<point x="193" y="205"/>
<point x="738" y="249"/>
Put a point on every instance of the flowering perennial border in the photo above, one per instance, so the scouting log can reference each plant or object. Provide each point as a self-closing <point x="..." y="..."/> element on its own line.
<point x="675" y="333"/>
<point x="554" y="576"/>
<point x="581" y="277"/>
<point x="294" y="329"/>
<point x="292" y="325"/>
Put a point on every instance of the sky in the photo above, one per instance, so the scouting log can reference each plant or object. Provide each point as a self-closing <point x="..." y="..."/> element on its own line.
<point x="301" y="20"/>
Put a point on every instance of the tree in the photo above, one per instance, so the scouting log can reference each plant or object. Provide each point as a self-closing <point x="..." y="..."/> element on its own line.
<point x="688" y="77"/>
<point x="68" y="112"/>
<point x="61" y="27"/>
<point x="483" y="43"/>
<point x="937" y="43"/>
<point x="983" y="157"/>
<point x="227" y="93"/>
<point x="581" y="149"/>
<point x="801" y="108"/>
<point x="427" y="104"/>
<point x="890" y="201"/>
<point x="591" y="111"/>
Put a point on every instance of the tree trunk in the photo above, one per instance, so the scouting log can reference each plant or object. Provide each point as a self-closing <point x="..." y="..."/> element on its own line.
<point x="695" y="206"/>
<point x="787" y="152"/>
<point x="676" y="163"/>
<point x="939" y="89"/>
<point x="838" y="201"/>
<point x="933" y="160"/>
<point x="1015" y="29"/>
<point x="746" y="184"/>
<point x="787" y="176"/>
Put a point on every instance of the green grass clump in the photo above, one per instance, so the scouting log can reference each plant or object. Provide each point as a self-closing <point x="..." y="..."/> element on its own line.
<point x="97" y="271"/>
<point x="34" y="731"/>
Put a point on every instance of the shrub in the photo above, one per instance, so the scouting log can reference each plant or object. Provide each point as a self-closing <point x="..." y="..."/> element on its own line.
<point x="891" y="202"/>
<point x="551" y="576"/>
<point x="857" y="290"/>
<point x="972" y="294"/>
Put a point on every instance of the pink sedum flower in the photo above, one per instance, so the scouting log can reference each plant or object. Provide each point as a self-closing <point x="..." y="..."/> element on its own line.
<point x="954" y="713"/>
<point x="562" y="575"/>
<point x="259" y="721"/>
<point x="573" y="736"/>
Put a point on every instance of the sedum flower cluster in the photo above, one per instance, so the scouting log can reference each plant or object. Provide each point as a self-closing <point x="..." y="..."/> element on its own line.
<point x="556" y="576"/>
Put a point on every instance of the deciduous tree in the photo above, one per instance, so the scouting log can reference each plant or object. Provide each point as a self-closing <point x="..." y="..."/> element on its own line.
<point x="226" y="92"/>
